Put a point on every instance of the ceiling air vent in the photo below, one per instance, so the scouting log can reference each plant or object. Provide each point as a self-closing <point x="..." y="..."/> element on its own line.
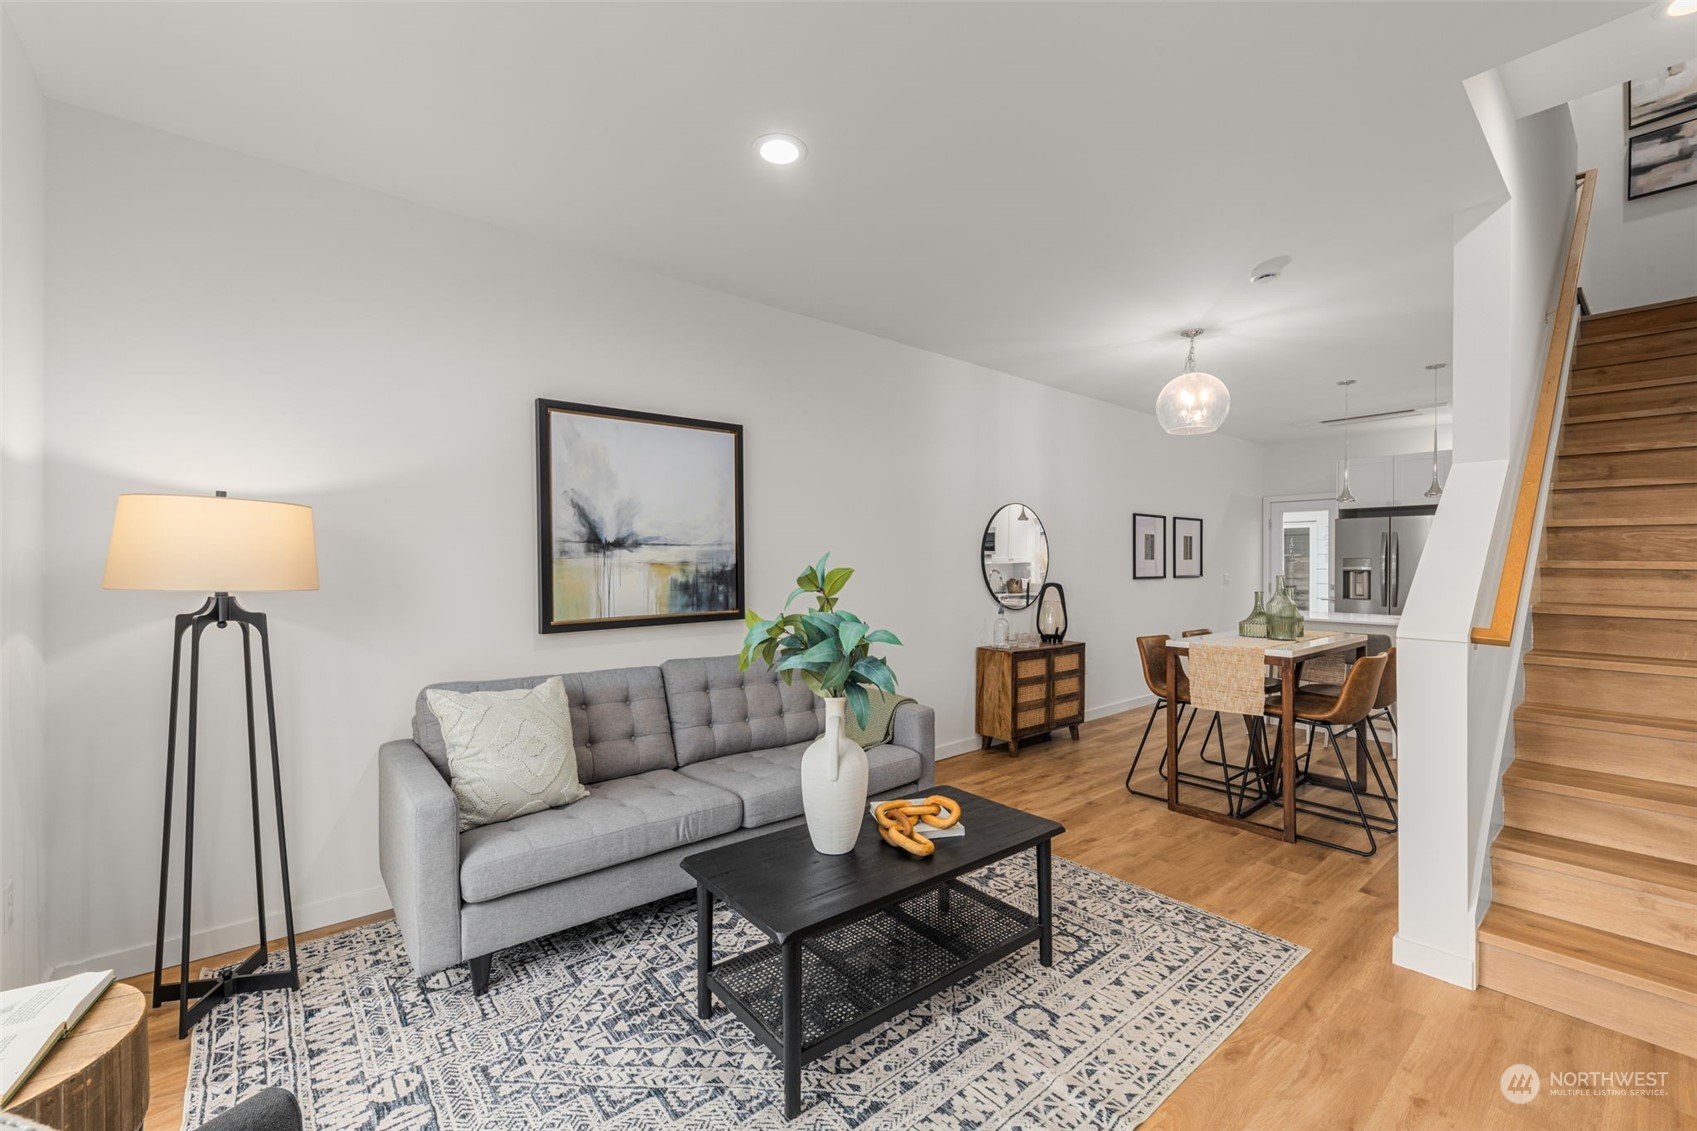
<point x="1360" y="416"/>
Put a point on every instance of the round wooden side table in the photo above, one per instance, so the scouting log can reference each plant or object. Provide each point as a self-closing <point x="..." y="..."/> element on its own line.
<point x="96" y="1078"/>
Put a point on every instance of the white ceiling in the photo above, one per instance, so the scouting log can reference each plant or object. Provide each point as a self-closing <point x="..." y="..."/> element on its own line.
<point x="1052" y="190"/>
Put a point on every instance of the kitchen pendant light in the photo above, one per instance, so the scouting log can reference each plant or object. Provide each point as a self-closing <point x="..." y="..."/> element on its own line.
<point x="1344" y="496"/>
<point x="1436" y="490"/>
<point x="1193" y="402"/>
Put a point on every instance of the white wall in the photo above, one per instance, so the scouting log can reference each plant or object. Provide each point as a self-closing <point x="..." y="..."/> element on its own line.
<point x="1310" y="465"/>
<point x="1639" y="251"/>
<point x="1457" y="697"/>
<point x="23" y="748"/>
<point x="216" y="321"/>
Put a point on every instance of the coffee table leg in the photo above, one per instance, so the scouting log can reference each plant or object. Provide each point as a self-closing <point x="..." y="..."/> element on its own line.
<point x="703" y="951"/>
<point x="943" y="900"/>
<point x="1045" y="910"/>
<point x="792" y="1029"/>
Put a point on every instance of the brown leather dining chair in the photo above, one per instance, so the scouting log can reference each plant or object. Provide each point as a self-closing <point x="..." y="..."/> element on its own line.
<point x="1383" y="703"/>
<point x="1349" y="707"/>
<point x="1153" y="652"/>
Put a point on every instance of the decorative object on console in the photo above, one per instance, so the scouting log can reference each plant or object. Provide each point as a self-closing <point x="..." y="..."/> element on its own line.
<point x="639" y="518"/>
<point x="1187" y="547"/>
<point x="1284" y="620"/>
<point x="1346" y="495"/>
<point x="1052" y="614"/>
<point x="999" y="632"/>
<point x="1255" y="624"/>
<point x="1148" y="547"/>
<point x="1015" y="556"/>
<point x="1662" y="160"/>
<point x="1193" y="402"/>
<point x="215" y="545"/>
<point x="509" y="752"/>
<point x="832" y="651"/>
<point x="1658" y="96"/>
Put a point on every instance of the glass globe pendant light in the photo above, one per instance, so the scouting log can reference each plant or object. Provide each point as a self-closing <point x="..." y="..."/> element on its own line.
<point x="1436" y="490"/>
<point x="1345" y="495"/>
<point x="1193" y="402"/>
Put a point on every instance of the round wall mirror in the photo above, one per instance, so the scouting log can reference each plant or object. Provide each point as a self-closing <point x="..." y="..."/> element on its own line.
<point x="1016" y="556"/>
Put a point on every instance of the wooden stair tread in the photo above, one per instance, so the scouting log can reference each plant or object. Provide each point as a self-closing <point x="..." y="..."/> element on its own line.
<point x="1615" y="563"/>
<point x="1591" y="333"/>
<point x="1635" y="384"/>
<point x="1568" y="447"/>
<point x="1640" y="481"/>
<point x="1592" y="661"/>
<point x="1602" y="416"/>
<point x="1615" y="866"/>
<point x="1608" y="722"/>
<point x="1615" y="958"/>
<point x="1639" y="612"/>
<point x="1617" y="520"/>
<point x="1632" y="793"/>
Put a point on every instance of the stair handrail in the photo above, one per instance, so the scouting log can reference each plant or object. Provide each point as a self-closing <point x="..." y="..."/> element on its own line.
<point x="1557" y="361"/>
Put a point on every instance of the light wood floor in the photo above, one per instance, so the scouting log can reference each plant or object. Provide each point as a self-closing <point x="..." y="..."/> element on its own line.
<point x="1345" y="1041"/>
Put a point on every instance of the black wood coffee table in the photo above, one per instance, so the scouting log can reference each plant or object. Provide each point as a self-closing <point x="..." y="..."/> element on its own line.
<point x="857" y="939"/>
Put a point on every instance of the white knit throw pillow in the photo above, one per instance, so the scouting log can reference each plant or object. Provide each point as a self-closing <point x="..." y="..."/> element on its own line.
<point x="509" y="752"/>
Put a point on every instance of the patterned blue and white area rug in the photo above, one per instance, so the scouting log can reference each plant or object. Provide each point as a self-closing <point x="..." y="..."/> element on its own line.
<point x="596" y="1028"/>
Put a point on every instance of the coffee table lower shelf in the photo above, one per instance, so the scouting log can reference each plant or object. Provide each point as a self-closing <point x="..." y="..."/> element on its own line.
<point x="859" y="974"/>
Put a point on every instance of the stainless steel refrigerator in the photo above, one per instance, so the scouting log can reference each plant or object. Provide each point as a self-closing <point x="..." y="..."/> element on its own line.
<point x="1377" y="550"/>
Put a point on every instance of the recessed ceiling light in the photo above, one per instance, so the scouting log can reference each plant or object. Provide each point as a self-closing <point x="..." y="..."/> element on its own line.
<point x="780" y="149"/>
<point x="1682" y="7"/>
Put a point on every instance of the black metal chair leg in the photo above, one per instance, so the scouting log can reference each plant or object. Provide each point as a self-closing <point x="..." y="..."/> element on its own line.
<point x="1160" y="703"/>
<point x="1364" y="825"/>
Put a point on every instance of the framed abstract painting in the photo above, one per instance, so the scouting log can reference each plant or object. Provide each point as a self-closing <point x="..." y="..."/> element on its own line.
<point x="639" y="518"/>
<point x="1148" y="547"/>
<point x="1187" y="547"/>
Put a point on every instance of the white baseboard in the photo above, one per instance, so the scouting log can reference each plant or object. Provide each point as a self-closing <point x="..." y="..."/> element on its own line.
<point x="133" y="960"/>
<point x="1456" y="969"/>
<point x="1102" y="711"/>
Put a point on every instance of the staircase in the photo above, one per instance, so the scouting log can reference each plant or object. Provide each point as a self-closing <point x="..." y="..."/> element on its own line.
<point x="1594" y="875"/>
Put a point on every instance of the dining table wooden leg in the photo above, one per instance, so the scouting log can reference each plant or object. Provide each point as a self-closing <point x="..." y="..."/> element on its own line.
<point x="1172" y="730"/>
<point x="1287" y="742"/>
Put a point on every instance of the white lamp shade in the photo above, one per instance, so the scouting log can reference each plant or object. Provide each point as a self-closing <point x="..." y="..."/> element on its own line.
<point x="1193" y="403"/>
<point x="208" y="544"/>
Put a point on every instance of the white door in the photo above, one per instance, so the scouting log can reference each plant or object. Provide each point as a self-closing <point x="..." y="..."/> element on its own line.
<point x="1299" y="547"/>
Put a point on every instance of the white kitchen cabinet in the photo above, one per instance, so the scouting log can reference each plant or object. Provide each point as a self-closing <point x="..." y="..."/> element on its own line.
<point x="1393" y="481"/>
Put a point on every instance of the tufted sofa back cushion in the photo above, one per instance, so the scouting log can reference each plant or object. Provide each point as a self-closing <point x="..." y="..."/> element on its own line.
<point x="717" y="710"/>
<point x="619" y="722"/>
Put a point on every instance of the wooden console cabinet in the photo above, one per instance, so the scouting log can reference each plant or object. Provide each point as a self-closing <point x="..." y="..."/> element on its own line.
<point x="1029" y="691"/>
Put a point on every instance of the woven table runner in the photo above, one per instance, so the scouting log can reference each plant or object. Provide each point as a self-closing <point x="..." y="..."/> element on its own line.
<point x="1229" y="673"/>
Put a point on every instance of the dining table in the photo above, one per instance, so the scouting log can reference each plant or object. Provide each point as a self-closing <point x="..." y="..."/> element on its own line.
<point x="1228" y="674"/>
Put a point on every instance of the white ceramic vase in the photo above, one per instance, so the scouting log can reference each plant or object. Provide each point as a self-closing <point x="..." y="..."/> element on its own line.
<point x="833" y="785"/>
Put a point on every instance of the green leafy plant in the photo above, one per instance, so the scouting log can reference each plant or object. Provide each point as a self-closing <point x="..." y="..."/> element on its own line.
<point x="831" y="648"/>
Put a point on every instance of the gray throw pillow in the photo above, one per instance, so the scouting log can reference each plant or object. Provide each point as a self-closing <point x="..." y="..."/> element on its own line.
<point x="509" y="752"/>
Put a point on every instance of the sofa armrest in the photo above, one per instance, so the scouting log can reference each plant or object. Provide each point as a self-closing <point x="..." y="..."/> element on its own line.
<point x="418" y="850"/>
<point x="916" y="729"/>
<point x="270" y="1110"/>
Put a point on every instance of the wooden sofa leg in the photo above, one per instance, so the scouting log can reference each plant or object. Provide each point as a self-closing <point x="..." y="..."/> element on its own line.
<point x="480" y="974"/>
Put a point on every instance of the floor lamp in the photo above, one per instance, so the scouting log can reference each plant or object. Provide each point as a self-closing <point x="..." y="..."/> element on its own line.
<point x="215" y="545"/>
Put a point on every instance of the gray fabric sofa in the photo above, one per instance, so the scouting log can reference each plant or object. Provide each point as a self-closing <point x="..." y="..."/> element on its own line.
<point x="677" y="758"/>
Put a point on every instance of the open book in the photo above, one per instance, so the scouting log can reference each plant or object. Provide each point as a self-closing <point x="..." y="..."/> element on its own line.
<point x="33" y="1018"/>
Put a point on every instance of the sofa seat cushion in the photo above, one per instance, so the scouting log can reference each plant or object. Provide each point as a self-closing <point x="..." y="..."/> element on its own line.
<point x="623" y="819"/>
<point x="769" y="781"/>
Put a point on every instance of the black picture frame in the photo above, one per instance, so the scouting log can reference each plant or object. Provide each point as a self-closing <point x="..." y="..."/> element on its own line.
<point x="1148" y="560"/>
<point x="719" y="583"/>
<point x="1187" y="536"/>
<point x="1687" y="128"/>
<point x="1683" y="103"/>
